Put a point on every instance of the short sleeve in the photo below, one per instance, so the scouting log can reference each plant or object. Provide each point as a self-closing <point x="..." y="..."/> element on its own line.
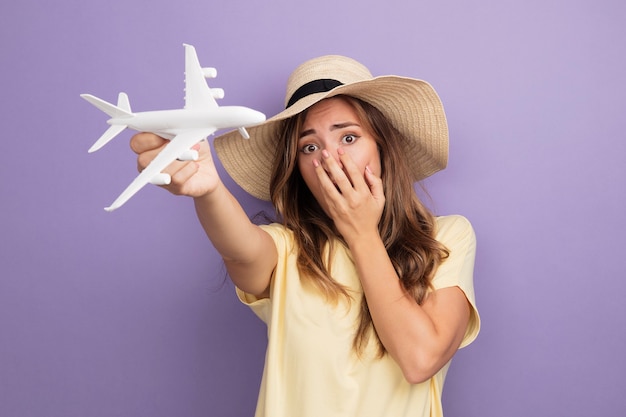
<point x="283" y="241"/>
<point x="457" y="234"/>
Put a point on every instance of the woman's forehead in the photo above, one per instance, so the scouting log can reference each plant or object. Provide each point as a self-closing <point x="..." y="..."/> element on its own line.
<point x="331" y="110"/>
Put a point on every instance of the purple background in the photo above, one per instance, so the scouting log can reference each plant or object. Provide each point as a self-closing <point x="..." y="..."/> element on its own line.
<point x="128" y="313"/>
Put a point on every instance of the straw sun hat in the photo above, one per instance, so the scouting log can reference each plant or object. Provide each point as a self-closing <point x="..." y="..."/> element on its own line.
<point x="412" y="106"/>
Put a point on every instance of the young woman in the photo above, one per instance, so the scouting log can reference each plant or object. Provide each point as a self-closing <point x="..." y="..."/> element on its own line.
<point x="366" y="294"/>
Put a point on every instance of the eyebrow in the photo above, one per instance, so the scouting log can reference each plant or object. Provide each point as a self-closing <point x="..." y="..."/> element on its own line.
<point x="336" y="126"/>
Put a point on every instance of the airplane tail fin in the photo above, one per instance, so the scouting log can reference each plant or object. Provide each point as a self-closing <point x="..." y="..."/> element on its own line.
<point x="122" y="110"/>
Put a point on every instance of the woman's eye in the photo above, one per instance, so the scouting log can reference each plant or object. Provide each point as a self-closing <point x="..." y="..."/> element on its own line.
<point x="347" y="139"/>
<point x="310" y="148"/>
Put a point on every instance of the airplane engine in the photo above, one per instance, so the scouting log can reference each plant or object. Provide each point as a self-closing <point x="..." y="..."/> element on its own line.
<point x="217" y="93"/>
<point x="189" y="155"/>
<point x="161" y="179"/>
<point x="209" y="72"/>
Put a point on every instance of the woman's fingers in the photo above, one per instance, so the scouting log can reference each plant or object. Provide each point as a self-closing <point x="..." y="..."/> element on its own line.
<point x="344" y="174"/>
<point x="144" y="141"/>
<point x="181" y="173"/>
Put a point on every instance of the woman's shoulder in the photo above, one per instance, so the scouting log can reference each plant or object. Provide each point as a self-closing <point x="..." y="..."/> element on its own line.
<point x="275" y="228"/>
<point x="454" y="227"/>
<point x="453" y="221"/>
<point x="282" y="236"/>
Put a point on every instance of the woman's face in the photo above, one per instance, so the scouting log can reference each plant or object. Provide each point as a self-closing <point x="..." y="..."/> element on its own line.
<point x="330" y="125"/>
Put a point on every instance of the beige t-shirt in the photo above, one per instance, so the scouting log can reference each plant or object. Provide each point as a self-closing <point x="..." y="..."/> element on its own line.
<point x="310" y="367"/>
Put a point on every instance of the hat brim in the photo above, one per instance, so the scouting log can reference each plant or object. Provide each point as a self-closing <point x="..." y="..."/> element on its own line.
<point x="411" y="105"/>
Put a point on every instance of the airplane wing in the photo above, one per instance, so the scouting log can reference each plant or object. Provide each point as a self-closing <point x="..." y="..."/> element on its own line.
<point x="197" y="92"/>
<point x="173" y="150"/>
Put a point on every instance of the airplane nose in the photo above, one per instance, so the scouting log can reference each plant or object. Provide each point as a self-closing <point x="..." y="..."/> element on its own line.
<point x="257" y="116"/>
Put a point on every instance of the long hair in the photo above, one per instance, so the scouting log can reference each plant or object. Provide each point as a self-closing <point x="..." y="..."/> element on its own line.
<point x="406" y="227"/>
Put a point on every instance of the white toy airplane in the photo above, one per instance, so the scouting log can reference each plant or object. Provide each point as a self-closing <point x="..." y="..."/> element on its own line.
<point x="184" y="128"/>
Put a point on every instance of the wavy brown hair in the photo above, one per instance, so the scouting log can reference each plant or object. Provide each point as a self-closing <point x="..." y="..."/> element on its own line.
<point x="406" y="227"/>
